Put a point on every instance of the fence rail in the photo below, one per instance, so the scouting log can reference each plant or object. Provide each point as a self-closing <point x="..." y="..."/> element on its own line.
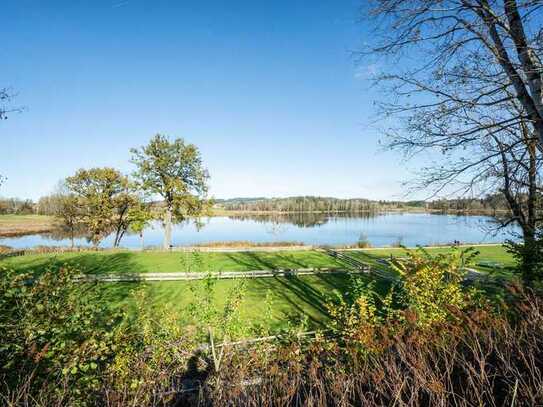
<point x="185" y="276"/>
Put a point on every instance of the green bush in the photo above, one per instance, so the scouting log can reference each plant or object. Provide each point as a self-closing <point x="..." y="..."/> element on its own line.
<point x="430" y="290"/>
<point x="432" y="285"/>
<point x="55" y="331"/>
<point x="529" y="259"/>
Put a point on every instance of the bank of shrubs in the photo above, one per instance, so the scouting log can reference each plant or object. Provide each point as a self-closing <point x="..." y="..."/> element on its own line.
<point x="16" y="206"/>
<point x="432" y="339"/>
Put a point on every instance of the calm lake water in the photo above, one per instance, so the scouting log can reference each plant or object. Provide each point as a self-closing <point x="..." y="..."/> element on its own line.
<point x="313" y="229"/>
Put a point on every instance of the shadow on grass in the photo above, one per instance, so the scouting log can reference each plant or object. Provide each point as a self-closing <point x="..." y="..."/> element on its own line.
<point x="251" y="261"/>
<point x="309" y="295"/>
<point x="278" y="260"/>
<point x="113" y="294"/>
<point x="122" y="263"/>
<point x="295" y="296"/>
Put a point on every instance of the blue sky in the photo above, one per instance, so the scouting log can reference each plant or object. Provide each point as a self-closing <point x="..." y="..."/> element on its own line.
<point x="268" y="90"/>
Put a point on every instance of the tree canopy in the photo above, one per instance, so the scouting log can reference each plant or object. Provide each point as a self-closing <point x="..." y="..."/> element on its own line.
<point x="104" y="198"/>
<point x="463" y="79"/>
<point x="174" y="171"/>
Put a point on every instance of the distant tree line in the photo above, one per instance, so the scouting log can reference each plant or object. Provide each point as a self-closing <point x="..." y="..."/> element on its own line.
<point x="54" y="204"/>
<point x="16" y="206"/>
<point x="325" y="204"/>
<point x="299" y="204"/>
<point x="496" y="202"/>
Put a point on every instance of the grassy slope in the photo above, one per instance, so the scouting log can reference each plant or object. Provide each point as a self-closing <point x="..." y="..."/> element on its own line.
<point x="490" y="254"/>
<point x="291" y="296"/>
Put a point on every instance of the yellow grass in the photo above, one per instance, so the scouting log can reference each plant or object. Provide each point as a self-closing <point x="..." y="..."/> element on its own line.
<point x="18" y="225"/>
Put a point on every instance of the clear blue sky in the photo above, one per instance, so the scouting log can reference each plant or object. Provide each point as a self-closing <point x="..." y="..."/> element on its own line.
<point x="268" y="90"/>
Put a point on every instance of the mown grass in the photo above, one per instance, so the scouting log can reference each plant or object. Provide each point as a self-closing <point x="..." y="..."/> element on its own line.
<point x="492" y="258"/>
<point x="120" y="262"/>
<point x="128" y="262"/>
<point x="11" y="218"/>
<point x="291" y="297"/>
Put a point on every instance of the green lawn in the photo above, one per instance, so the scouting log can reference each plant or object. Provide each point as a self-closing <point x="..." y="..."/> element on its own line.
<point x="126" y="262"/>
<point x="496" y="255"/>
<point x="291" y="296"/>
<point x="120" y="262"/>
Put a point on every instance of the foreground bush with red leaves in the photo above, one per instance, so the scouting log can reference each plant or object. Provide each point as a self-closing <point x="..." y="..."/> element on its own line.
<point x="480" y="358"/>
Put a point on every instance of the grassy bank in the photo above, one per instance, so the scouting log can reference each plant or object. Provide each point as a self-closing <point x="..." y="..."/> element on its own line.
<point x="19" y="225"/>
<point x="121" y="262"/>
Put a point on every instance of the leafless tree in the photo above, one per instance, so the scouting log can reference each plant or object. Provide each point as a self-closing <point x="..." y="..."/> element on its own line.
<point x="6" y="97"/>
<point x="465" y="79"/>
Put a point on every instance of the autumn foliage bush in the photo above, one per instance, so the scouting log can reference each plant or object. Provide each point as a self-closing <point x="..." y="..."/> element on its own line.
<point x="432" y="339"/>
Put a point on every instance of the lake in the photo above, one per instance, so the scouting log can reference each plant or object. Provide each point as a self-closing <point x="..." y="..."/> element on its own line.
<point x="382" y="229"/>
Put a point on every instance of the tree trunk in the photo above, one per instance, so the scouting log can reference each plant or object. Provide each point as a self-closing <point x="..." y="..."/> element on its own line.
<point x="141" y="241"/>
<point x="532" y="193"/>
<point x="118" y="238"/>
<point x="167" y="229"/>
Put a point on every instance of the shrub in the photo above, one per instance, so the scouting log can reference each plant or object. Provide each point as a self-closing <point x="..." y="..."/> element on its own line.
<point x="55" y="333"/>
<point x="156" y="348"/>
<point x="363" y="242"/>
<point x="432" y="284"/>
<point x="529" y="258"/>
<point x="479" y="358"/>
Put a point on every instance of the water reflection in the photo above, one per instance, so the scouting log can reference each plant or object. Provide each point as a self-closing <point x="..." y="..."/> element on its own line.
<point x="302" y="219"/>
<point x="375" y="229"/>
<point x="79" y="233"/>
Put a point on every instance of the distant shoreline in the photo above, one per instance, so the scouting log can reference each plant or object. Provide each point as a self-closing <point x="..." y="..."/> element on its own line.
<point x="225" y="212"/>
